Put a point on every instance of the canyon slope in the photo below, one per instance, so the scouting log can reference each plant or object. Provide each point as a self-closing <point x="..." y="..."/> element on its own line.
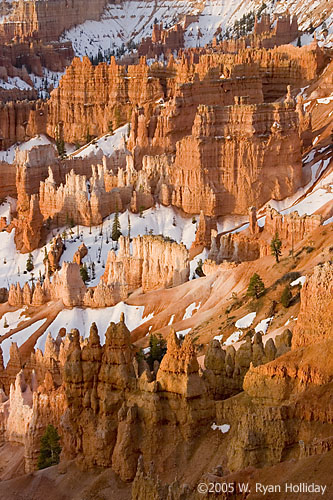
<point x="166" y="248"/>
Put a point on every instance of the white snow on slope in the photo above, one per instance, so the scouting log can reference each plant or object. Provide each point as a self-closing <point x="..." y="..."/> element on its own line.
<point x="216" y="14"/>
<point x="183" y="332"/>
<point x="263" y="325"/>
<point x="123" y="22"/>
<point x="9" y="155"/>
<point x="246" y="321"/>
<point x="189" y="310"/>
<point x="158" y="220"/>
<point x="106" y="145"/>
<point x="234" y="337"/>
<point x="309" y="203"/>
<point x="171" y="319"/>
<point x="299" y="281"/>
<point x="83" y="318"/>
<point x="13" y="319"/>
<point x="328" y="221"/>
<point x="15" y="83"/>
<point x="19" y="337"/>
<point x="49" y="79"/>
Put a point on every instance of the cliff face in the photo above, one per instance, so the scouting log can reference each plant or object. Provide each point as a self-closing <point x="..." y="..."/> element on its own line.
<point x="109" y="93"/>
<point x="84" y="201"/>
<point x="242" y="152"/>
<point x="89" y="97"/>
<point x="22" y="58"/>
<point x="47" y="20"/>
<point x="315" y="319"/>
<point x="19" y="121"/>
<point x="220" y="167"/>
<point x="253" y="243"/>
<point x="154" y="263"/>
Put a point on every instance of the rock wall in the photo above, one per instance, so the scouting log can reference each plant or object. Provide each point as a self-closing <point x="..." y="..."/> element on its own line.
<point x="107" y="98"/>
<point x="154" y="263"/>
<point x="35" y="20"/>
<point x="19" y="121"/>
<point x="315" y="319"/>
<point x="162" y="42"/>
<point x="291" y="228"/>
<point x="226" y="368"/>
<point x="83" y="201"/>
<point x="219" y="168"/>
<point x="253" y="243"/>
<point x="22" y="58"/>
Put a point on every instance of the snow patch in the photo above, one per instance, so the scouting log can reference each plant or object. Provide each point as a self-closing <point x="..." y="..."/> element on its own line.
<point x="299" y="281"/>
<point x="19" y="337"/>
<point x="224" y="428"/>
<point x="234" y="337"/>
<point x="246" y="321"/>
<point x="183" y="332"/>
<point x="263" y="325"/>
<point x="83" y="318"/>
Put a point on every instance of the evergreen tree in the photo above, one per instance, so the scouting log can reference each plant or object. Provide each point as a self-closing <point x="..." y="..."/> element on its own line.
<point x="84" y="273"/>
<point x="129" y="227"/>
<point x="30" y="263"/>
<point x="50" y="448"/>
<point x="299" y="42"/>
<point x="286" y="297"/>
<point x="116" y="229"/>
<point x="276" y="245"/>
<point x="5" y="322"/>
<point x="93" y="273"/>
<point x="60" y="143"/>
<point x="158" y="348"/>
<point x="256" y="286"/>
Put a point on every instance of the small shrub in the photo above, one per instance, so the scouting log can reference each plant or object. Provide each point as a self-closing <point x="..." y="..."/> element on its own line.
<point x="286" y="297"/>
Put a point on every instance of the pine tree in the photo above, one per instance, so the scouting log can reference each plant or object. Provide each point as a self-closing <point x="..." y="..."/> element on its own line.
<point x="129" y="227"/>
<point x="256" y="286"/>
<point x="60" y="143"/>
<point x="30" y="263"/>
<point x="158" y="348"/>
<point x="50" y="448"/>
<point x="299" y="42"/>
<point x="5" y="322"/>
<point x="286" y="297"/>
<point x="276" y="245"/>
<point x="84" y="273"/>
<point x="116" y="229"/>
